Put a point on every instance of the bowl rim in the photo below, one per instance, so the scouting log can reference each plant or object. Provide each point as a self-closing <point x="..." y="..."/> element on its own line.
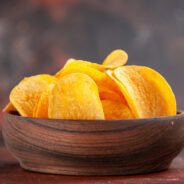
<point x="179" y="115"/>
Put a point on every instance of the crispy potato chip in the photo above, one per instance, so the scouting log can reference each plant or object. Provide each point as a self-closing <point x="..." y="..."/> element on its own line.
<point x="78" y="66"/>
<point x="9" y="108"/>
<point x="146" y="91"/>
<point x="26" y="94"/>
<point x="73" y="64"/>
<point x="108" y="94"/>
<point x="41" y="108"/>
<point x="75" y="96"/>
<point x="163" y="87"/>
<point x="115" y="59"/>
<point x="116" y="110"/>
<point x="102" y="80"/>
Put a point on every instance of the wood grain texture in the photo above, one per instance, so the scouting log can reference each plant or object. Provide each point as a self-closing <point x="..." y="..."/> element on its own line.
<point x="118" y="147"/>
<point x="10" y="172"/>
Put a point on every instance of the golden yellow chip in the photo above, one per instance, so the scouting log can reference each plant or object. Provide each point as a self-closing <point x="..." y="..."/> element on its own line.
<point x="26" y="94"/>
<point x="9" y="108"/>
<point x="116" y="110"/>
<point x="115" y="59"/>
<point x="108" y="94"/>
<point x="78" y="66"/>
<point x="75" y="96"/>
<point x="145" y="90"/>
<point x="41" y="108"/>
<point x="102" y="80"/>
<point x="73" y="65"/>
<point x="160" y="84"/>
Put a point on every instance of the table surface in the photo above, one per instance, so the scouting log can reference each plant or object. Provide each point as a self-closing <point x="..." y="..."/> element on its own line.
<point x="11" y="172"/>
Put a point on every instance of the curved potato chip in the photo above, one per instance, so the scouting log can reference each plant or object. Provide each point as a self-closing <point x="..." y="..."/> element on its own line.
<point x="75" y="96"/>
<point x="26" y="94"/>
<point x="9" y="108"/>
<point x="73" y="64"/>
<point x="78" y="66"/>
<point x="115" y="59"/>
<point x="116" y="110"/>
<point x="108" y="94"/>
<point x="163" y="87"/>
<point x="41" y="108"/>
<point x="146" y="91"/>
<point x="102" y="80"/>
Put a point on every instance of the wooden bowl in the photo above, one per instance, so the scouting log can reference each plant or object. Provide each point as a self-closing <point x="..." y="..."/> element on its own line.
<point x="90" y="147"/>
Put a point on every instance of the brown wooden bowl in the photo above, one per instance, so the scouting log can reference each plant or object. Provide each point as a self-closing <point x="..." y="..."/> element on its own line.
<point x="90" y="147"/>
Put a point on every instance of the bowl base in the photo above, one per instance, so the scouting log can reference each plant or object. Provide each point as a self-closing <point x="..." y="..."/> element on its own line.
<point x="89" y="172"/>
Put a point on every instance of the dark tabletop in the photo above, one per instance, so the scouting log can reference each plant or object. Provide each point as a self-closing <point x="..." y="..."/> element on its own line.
<point x="10" y="172"/>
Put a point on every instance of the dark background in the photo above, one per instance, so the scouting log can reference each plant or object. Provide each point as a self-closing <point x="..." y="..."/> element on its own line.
<point x="37" y="36"/>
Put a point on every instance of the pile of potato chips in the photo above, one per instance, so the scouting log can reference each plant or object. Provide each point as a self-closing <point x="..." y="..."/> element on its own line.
<point x="86" y="90"/>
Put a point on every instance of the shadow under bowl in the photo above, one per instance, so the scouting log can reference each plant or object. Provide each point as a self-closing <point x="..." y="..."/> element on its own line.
<point x="94" y="147"/>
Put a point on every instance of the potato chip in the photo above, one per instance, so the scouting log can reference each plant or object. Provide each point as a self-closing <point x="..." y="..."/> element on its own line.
<point x="9" y="108"/>
<point x="26" y="94"/>
<point x="146" y="91"/>
<point x="75" y="96"/>
<point x="114" y="105"/>
<point x="41" y="108"/>
<point x="115" y="59"/>
<point x="80" y="65"/>
<point x="116" y="110"/>
<point x="163" y="87"/>
<point x="111" y="95"/>
<point x="102" y="80"/>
